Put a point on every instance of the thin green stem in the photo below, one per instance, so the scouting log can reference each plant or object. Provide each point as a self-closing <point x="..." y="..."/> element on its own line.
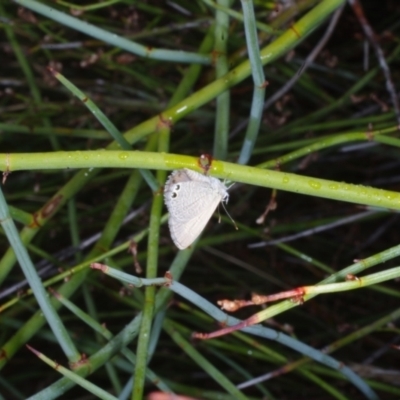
<point x="92" y="388"/>
<point x="213" y="372"/>
<point x="124" y="338"/>
<point x="219" y="6"/>
<point x="257" y="103"/>
<point x="112" y="38"/>
<point x="30" y="78"/>
<point x="222" y="114"/>
<point x="52" y="318"/>
<point x="251" y="175"/>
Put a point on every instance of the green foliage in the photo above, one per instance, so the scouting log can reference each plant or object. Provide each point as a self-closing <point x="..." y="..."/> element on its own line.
<point x="99" y="101"/>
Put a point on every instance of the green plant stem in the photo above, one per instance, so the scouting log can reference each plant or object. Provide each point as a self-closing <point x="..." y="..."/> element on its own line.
<point x="124" y="338"/>
<point x="95" y="110"/>
<point x="222" y="113"/>
<point x="214" y="373"/>
<point x="52" y="318"/>
<point x="280" y="46"/>
<point x="92" y="388"/>
<point x="149" y="298"/>
<point x="112" y="38"/>
<point x="219" y="6"/>
<point x="30" y="78"/>
<point x="251" y="175"/>
<point x="271" y="52"/>
<point x="257" y="330"/>
<point x="257" y="103"/>
<point x="108" y="235"/>
<point x="104" y="332"/>
<point x="163" y="137"/>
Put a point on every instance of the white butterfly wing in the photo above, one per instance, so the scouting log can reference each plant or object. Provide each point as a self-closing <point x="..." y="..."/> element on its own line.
<point x="189" y="215"/>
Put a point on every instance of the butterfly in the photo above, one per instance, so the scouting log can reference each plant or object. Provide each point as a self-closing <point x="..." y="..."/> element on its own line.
<point x="191" y="199"/>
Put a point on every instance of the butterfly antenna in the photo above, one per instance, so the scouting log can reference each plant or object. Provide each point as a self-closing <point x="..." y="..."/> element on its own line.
<point x="229" y="215"/>
<point x="228" y="184"/>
